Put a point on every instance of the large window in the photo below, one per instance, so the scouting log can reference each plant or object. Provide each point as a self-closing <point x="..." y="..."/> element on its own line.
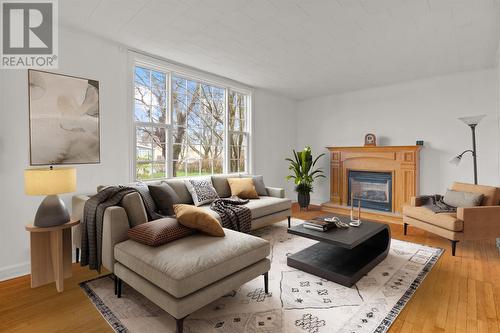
<point x="186" y="127"/>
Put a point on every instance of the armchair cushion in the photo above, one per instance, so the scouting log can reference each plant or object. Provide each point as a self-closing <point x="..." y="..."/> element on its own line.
<point x="491" y="194"/>
<point x="443" y="220"/>
<point x="462" y="199"/>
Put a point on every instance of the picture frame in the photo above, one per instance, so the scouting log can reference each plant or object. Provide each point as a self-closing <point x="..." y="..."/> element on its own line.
<point x="64" y="119"/>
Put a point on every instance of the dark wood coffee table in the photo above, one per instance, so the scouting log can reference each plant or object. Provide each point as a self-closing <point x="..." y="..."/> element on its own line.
<point x="342" y="255"/>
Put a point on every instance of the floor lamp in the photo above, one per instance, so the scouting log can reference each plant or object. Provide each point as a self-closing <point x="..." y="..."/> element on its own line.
<point x="472" y="122"/>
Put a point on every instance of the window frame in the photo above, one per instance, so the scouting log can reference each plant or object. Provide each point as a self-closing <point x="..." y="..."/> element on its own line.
<point x="138" y="124"/>
<point x="169" y="68"/>
<point x="246" y="132"/>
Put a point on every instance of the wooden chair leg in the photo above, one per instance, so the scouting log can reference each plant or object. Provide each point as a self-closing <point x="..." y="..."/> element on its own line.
<point x="405" y="228"/>
<point x="453" y="247"/>
<point x="266" y="282"/>
<point x="289" y="219"/>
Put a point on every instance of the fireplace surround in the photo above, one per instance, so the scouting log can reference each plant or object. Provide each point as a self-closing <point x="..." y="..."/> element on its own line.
<point x="399" y="163"/>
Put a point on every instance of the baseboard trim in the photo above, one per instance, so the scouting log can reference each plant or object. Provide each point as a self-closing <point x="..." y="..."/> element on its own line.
<point x="13" y="271"/>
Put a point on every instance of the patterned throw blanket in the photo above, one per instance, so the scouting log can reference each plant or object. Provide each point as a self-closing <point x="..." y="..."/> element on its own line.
<point x="436" y="204"/>
<point x="233" y="214"/>
<point x="93" y="214"/>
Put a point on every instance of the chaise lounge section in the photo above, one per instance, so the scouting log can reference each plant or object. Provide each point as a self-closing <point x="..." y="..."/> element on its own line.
<point x="184" y="275"/>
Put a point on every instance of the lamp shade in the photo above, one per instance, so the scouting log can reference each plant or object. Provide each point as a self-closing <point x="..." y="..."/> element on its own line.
<point x="456" y="160"/>
<point x="49" y="181"/>
<point x="472" y="120"/>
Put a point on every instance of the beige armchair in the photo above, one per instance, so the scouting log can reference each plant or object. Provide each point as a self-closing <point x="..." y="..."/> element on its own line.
<point x="471" y="223"/>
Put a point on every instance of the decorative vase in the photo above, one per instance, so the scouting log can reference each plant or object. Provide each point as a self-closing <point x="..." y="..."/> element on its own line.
<point x="304" y="199"/>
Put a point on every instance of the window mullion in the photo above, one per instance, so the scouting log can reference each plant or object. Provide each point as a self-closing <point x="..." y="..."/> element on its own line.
<point x="169" y="135"/>
<point x="225" y="156"/>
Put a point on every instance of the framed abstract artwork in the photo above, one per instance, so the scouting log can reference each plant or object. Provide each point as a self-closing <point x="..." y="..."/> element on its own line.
<point x="64" y="119"/>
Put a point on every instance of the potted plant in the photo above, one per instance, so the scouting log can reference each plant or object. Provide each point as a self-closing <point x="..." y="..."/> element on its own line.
<point x="302" y="166"/>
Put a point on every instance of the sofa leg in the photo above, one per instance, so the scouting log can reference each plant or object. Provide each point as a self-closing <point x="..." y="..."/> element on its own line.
<point x="405" y="228"/>
<point x="453" y="247"/>
<point x="118" y="287"/>
<point x="266" y="282"/>
<point x="179" y="325"/>
<point x="115" y="282"/>
<point x="289" y="219"/>
<point x="77" y="255"/>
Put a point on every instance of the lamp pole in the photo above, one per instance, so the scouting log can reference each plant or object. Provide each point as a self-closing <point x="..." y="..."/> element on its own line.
<point x="474" y="152"/>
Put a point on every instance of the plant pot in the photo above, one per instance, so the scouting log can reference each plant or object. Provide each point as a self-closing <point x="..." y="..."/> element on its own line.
<point x="304" y="199"/>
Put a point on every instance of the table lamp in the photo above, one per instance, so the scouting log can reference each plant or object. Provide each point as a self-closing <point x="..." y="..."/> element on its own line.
<point x="50" y="182"/>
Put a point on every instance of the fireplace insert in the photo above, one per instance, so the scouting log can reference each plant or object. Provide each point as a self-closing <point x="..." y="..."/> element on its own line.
<point x="373" y="189"/>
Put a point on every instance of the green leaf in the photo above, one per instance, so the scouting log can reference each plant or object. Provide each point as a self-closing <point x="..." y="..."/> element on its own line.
<point x="317" y="158"/>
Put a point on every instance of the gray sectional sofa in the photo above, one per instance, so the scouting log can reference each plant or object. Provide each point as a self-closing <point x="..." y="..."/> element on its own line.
<point x="189" y="273"/>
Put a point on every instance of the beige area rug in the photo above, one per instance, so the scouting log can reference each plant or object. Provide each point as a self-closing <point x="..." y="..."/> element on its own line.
<point x="297" y="301"/>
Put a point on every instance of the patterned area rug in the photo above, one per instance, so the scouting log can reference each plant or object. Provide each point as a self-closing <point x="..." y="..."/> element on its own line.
<point x="297" y="301"/>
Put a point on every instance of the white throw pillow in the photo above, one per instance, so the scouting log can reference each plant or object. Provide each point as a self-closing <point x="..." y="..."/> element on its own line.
<point x="202" y="190"/>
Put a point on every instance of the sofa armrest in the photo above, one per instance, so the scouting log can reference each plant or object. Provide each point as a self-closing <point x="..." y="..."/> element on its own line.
<point x="418" y="201"/>
<point x="481" y="222"/>
<point x="275" y="192"/>
<point x="77" y="205"/>
<point x="114" y="230"/>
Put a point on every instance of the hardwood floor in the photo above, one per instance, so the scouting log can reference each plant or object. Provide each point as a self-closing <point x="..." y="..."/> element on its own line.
<point x="461" y="294"/>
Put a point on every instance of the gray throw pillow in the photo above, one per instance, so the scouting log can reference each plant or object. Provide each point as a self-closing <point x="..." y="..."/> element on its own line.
<point x="221" y="185"/>
<point x="164" y="197"/>
<point x="202" y="191"/>
<point x="462" y="199"/>
<point x="258" y="182"/>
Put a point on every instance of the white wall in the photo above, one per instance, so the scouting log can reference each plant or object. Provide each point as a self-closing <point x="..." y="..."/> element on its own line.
<point x="274" y="137"/>
<point x="400" y="114"/>
<point x="87" y="56"/>
<point x="80" y="55"/>
<point x="498" y="99"/>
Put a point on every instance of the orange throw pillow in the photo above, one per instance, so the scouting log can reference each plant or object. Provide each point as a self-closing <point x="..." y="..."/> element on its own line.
<point x="196" y="218"/>
<point x="243" y="188"/>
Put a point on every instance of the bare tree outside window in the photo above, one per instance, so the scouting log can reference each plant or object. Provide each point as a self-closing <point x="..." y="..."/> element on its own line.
<point x="196" y="124"/>
<point x="198" y="119"/>
<point x="150" y="113"/>
<point x="238" y="131"/>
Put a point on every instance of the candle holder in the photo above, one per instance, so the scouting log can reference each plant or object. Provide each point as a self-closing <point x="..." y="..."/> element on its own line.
<point x="355" y="222"/>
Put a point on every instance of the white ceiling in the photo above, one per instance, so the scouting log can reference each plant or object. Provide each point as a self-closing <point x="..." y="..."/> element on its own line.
<point x="303" y="48"/>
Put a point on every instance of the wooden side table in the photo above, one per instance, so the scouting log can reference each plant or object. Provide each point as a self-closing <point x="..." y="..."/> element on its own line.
<point x="51" y="254"/>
